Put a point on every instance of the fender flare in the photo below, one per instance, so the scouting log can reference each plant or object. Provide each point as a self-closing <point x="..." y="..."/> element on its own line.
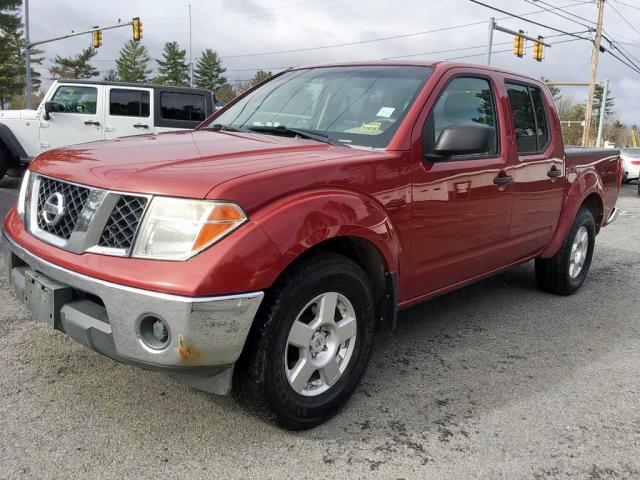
<point x="584" y="185"/>
<point x="297" y="223"/>
<point x="11" y="142"/>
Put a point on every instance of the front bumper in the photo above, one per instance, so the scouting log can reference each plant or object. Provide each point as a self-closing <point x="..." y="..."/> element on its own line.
<point x="207" y="334"/>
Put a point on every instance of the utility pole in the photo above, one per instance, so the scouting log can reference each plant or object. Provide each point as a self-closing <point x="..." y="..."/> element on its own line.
<point x="190" y="55"/>
<point x="594" y="75"/>
<point x="603" y="108"/>
<point x="27" y="56"/>
<point x="492" y="27"/>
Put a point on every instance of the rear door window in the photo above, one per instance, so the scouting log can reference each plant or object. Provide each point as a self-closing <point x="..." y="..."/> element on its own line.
<point x="529" y="118"/>
<point x="129" y="103"/>
<point x="182" y="106"/>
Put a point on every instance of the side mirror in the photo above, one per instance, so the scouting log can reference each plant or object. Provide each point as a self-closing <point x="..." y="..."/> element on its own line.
<point x="48" y="108"/>
<point x="464" y="139"/>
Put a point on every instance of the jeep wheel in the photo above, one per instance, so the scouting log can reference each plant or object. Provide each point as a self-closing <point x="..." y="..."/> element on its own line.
<point x="4" y="161"/>
<point x="310" y="344"/>
<point x="565" y="272"/>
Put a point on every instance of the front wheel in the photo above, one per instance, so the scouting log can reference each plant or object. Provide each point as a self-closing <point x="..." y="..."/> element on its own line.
<point x="310" y="345"/>
<point x="565" y="272"/>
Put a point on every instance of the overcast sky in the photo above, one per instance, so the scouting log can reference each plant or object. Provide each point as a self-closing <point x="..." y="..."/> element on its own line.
<point x="244" y="31"/>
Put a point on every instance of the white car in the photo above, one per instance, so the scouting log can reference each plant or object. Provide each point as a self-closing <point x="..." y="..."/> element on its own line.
<point x="80" y="111"/>
<point x="631" y="163"/>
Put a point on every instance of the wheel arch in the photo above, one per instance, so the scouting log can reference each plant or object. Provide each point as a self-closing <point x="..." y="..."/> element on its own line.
<point x="9" y="141"/>
<point x="585" y="191"/>
<point x="343" y="222"/>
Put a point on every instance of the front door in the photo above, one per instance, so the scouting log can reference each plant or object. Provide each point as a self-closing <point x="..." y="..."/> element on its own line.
<point x="76" y="117"/>
<point x="128" y="111"/>
<point x="461" y="206"/>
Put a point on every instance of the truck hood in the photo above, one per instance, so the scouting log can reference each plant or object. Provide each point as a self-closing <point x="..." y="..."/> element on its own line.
<point x="183" y="164"/>
<point x="18" y="114"/>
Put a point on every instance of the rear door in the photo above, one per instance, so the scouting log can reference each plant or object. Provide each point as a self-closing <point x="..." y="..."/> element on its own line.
<point x="128" y="111"/>
<point x="460" y="212"/>
<point x="539" y="176"/>
<point x="180" y="109"/>
<point x="77" y="116"/>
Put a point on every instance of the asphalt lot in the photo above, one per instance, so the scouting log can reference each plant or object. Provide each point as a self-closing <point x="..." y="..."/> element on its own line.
<point x="498" y="380"/>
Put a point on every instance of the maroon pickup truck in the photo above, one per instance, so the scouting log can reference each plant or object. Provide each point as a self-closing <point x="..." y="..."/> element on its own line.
<point x="264" y="249"/>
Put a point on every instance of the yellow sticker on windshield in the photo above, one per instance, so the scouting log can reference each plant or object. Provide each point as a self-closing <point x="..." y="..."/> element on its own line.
<point x="371" y="127"/>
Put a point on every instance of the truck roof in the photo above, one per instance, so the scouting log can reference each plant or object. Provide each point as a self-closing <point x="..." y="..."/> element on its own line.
<point x="133" y="84"/>
<point x="418" y="63"/>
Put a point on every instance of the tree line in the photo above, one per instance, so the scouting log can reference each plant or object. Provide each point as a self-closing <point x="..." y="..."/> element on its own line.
<point x="134" y="64"/>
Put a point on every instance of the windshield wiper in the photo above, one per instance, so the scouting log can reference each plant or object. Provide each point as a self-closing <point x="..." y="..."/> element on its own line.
<point x="319" y="137"/>
<point x="218" y="127"/>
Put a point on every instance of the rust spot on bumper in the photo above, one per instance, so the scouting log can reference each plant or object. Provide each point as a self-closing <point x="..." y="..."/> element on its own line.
<point x="188" y="353"/>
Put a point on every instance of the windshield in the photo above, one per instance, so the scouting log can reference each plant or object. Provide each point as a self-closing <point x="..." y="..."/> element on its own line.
<point x="358" y="105"/>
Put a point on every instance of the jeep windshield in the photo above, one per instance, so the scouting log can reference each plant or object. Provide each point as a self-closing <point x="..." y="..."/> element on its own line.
<point x="354" y="105"/>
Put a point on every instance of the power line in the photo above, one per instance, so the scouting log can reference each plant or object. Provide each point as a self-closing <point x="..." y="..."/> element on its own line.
<point x="627" y="5"/>
<point x="513" y="15"/>
<point x="624" y="19"/>
<point x="557" y="13"/>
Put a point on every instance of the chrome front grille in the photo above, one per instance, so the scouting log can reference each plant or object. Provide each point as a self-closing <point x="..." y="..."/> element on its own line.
<point x="82" y="219"/>
<point x="122" y="226"/>
<point x="74" y="199"/>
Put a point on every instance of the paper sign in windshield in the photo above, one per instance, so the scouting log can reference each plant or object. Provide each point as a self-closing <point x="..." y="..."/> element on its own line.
<point x="385" y="112"/>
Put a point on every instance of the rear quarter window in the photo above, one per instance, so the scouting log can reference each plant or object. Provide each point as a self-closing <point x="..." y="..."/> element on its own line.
<point x="182" y="106"/>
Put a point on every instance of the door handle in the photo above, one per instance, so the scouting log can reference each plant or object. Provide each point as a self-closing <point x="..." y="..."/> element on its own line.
<point x="91" y="122"/>
<point x="503" y="180"/>
<point x="140" y="125"/>
<point x="554" y="172"/>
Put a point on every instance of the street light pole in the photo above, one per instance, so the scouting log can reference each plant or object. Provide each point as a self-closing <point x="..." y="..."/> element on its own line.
<point x="603" y="108"/>
<point x="27" y="56"/>
<point x="190" y="54"/>
<point x="492" y="27"/>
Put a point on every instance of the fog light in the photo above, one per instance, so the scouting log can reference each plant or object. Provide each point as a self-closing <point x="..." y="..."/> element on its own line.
<point x="154" y="332"/>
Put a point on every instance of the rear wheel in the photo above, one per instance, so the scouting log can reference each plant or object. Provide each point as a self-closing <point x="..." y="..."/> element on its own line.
<point x="310" y="345"/>
<point x="565" y="272"/>
<point x="4" y="161"/>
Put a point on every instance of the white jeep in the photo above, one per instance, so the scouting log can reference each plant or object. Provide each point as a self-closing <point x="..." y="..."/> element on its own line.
<point x="80" y="111"/>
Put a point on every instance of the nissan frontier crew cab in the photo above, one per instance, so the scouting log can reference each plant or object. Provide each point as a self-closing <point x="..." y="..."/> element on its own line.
<point x="80" y="111"/>
<point x="262" y="251"/>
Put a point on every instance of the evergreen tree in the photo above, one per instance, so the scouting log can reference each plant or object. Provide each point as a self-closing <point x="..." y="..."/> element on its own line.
<point x="173" y="69"/>
<point x="12" y="59"/>
<point x="76" y="66"/>
<point x="555" y="91"/>
<point x="111" y="76"/>
<point x="133" y="63"/>
<point x="226" y="93"/>
<point x="259" y="77"/>
<point x="208" y="71"/>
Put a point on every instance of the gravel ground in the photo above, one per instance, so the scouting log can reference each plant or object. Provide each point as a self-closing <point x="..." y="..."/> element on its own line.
<point x="497" y="380"/>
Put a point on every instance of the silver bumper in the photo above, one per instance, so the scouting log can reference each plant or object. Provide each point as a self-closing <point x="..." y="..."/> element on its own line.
<point x="207" y="334"/>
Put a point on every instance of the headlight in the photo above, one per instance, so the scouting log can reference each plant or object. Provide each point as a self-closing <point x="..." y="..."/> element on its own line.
<point x="22" y="197"/>
<point x="177" y="229"/>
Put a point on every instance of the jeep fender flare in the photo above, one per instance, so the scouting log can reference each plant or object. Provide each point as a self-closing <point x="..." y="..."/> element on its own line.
<point x="11" y="142"/>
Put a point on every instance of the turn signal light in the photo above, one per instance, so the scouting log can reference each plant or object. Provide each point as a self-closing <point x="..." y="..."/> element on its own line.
<point x="221" y="219"/>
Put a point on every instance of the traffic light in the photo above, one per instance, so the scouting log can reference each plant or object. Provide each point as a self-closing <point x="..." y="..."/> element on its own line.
<point x="538" y="49"/>
<point x="137" y="29"/>
<point x="97" y="38"/>
<point x="518" y="45"/>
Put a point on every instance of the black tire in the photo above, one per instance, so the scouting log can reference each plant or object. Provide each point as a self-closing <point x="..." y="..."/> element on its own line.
<point x="260" y="381"/>
<point x="553" y="274"/>
<point x="4" y="161"/>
